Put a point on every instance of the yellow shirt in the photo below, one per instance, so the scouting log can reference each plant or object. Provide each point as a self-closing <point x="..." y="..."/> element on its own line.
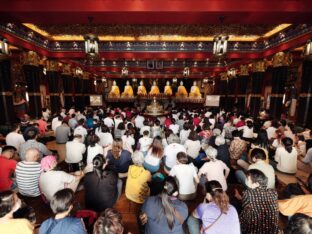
<point x="16" y="226"/>
<point x="298" y="204"/>
<point x="137" y="189"/>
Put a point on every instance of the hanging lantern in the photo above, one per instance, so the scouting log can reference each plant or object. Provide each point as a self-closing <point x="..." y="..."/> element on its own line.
<point x="186" y="72"/>
<point x="91" y="45"/>
<point x="308" y="49"/>
<point x="4" y="47"/>
<point x="220" y="44"/>
<point x="231" y="73"/>
<point x="124" y="71"/>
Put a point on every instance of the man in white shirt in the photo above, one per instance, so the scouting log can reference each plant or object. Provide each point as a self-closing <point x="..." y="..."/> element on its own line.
<point x="139" y="121"/>
<point x="145" y="142"/>
<point x="174" y="127"/>
<point x="74" y="151"/>
<point x="145" y="127"/>
<point x="14" y="138"/>
<point x="81" y="130"/>
<point x="171" y="152"/>
<point x="46" y="114"/>
<point x="117" y="121"/>
<point x="308" y="157"/>
<point x="109" y="122"/>
<point x="258" y="156"/>
<point x="56" y="122"/>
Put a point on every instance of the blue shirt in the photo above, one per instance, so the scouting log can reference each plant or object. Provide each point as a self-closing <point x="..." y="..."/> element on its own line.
<point x="67" y="225"/>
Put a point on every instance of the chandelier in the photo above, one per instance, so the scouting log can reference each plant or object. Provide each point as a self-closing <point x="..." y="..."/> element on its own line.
<point x="231" y="73"/>
<point x="4" y="47"/>
<point x="220" y="42"/>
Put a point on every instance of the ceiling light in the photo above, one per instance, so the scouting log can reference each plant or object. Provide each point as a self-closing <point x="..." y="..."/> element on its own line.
<point x="220" y="44"/>
<point x="91" y="45"/>
<point x="4" y="47"/>
<point x="308" y="49"/>
<point x="186" y="72"/>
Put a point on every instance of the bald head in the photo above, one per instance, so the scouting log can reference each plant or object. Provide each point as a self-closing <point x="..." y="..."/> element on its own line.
<point x="32" y="155"/>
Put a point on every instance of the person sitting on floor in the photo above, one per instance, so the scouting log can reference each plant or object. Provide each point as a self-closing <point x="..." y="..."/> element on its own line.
<point x="216" y="214"/>
<point x="74" y="152"/>
<point x="137" y="189"/>
<point x="9" y="203"/>
<point x="109" y="222"/>
<point x="27" y="174"/>
<point x="102" y="186"/>
<point x="61" y="205"/>
<point x="7" y="168"/>
<point x="52" y="180"/>
<point x="186" y="175"/>
<point x="259" y="205"/>
<point x="299" y="224"/>
<point x="154" y="155"/>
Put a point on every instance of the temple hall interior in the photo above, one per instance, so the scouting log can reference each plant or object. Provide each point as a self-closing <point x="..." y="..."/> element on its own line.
<point x="156" y="117"/>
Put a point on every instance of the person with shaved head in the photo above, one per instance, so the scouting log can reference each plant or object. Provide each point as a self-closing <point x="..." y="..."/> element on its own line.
<point x="28" y="172"/>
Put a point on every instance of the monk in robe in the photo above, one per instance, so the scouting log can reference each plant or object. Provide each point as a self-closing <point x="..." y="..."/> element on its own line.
<point x="141" y="89"/>
<point x="154" y="89"/>
<point x="195" y="92"/>
<point x="181" y="91"/>
<point x="168" y="89"/>
<point x="128" y="91"/>
<point x="115" y="92"/>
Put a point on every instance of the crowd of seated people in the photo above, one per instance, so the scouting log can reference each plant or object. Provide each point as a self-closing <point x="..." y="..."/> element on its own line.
<point x="160" y="164"/>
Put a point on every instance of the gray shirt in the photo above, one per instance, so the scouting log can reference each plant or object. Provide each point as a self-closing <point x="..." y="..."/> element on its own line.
<point x="62" y="133"/>
<point x="43" y="150"/>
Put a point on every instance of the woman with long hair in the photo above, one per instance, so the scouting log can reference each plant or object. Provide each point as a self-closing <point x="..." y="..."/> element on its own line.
<point x="102" y="186"/>
<point x="154" y="155"/>
<point x="106" y="138"/>
<point x="286" y="157"/>
<point x="215" y="214"/>
<point x="165" y="213"/>
<point x="93" y="149"/>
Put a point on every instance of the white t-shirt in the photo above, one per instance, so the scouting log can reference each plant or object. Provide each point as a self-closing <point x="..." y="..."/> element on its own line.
<point x="175" y="128"/>
<point x="308" y="157"/>
<point x="106" y="138"/>
<point x="74" y="151"/>
<point x="267" y="170"/>
<point x="52" y="181"/>
<point x="15" y="139"/>
<point x="271" y="131"/>
<point x="109" y="122"/>
<point x="93" y="151"/>
<point x="81" y="131"/>
<point x="184" y="134"/>
<point x="185" y="173"/>
<point x="145" y="143"/>
<point x="214" y="170"/>
<point x="55" y="123"/>
<point x="247" y="132"/>
<point x="192" y="148"/>
<point x="286" y="162"/>
<point x="152" y="159"/>
<point x="139" y="121"/>
<point x="171" y="152"/>
<point x="145" y="128"/>
<point x="117" y="122"/>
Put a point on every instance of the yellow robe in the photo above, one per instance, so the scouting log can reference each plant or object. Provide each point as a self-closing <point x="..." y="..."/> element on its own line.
<point x="181" y="92"/>
<point x="115" y="92"/>
<point x="128" y="92"/>
<point x="154" y="90"/>
<point x="195" y="92"/>
<point x="168" y="90"/>
<point x="141" y="90"/>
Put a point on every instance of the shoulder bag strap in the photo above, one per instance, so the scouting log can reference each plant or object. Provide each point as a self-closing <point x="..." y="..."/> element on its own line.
<point x="210" y="225"/>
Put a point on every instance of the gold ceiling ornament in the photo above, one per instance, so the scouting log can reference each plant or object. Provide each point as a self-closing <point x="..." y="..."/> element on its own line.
<point x="243" y="70"/>
<point x="86" y="75"/>
<point x="30" y="58"/>
<point x="282" y="59"/>
<point x="66" y="69"/>
<point x="259" y="66"/>
<point x="75" y="32"/>
<point x="224" y="76"/>
<point x="52" y="65"/>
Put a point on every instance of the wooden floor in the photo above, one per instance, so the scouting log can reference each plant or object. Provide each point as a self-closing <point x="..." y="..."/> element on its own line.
<point x="128" y="209"/>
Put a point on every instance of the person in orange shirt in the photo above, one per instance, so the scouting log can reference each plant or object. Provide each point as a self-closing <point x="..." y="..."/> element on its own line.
<point x="298" y="204"/>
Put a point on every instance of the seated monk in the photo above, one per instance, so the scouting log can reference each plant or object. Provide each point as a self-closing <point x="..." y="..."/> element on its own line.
<point x="195" y="92"/>
<point x="141" y="89"/>
<point x="115" y="92"/>
<point x="181" y="91"/>
<point x="168" y="89"/>
<point x="154" y="89"/>
<point x="128" y="91"/>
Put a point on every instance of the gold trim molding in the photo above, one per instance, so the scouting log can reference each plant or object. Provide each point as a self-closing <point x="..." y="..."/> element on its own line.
<point x="305" y="95"/>
<point x="281" y="59"/>
<point x="30" y="58"/>
<point x="259" y="66"/>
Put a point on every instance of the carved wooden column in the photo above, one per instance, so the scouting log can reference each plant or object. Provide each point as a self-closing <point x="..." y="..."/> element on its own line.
<point x="53" y="77"/>
<point x="223" y="89"/>
<point x="280" y="62"/>
<point x="258" y="70"/>
<point x="242" y="83"/>
<point x="6" y="98"/>
<point x="68" y="85"/>
<point x="304" y="110"/>
<point x="30" y="61"/>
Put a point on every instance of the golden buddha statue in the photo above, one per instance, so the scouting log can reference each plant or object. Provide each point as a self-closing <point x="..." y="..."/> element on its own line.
<point x="195" y="91"/>
<point x="181" y="91"/>
<point x="168" y="89"/>
<point x="128" y="91"/>
<point x="115" y="92"/>
<point x="154" y="89"/>
<point x="141" y="89"/>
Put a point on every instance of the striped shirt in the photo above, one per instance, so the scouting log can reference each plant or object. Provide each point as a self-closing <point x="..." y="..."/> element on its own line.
<point x="27" y="178"/>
